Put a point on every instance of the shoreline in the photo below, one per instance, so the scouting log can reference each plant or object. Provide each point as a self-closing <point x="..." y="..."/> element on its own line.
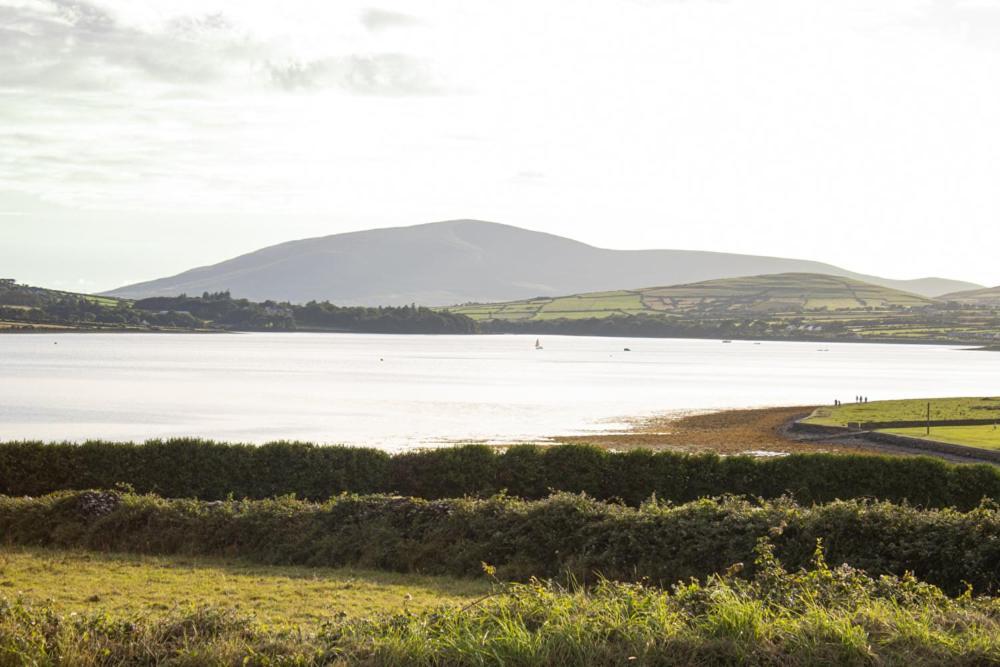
<point x="755" y="431"/>
<point x="973" y="346"/>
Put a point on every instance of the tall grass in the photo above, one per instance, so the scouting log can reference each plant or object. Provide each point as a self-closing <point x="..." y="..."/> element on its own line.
<point x="818" y="616"/>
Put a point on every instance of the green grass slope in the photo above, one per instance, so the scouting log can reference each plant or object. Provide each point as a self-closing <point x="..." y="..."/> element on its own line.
<point x="989" y="296"/>
<point x="910" y="409"/>
<point x="776" y="293"/>
<point x="26" y="296"/>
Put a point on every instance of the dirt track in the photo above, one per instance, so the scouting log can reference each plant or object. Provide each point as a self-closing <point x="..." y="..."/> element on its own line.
<point x="737" y="432"/>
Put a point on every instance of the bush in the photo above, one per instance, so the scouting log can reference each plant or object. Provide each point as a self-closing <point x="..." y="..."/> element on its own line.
<point x="565" y="534"/>
<point x="215" y="471"/>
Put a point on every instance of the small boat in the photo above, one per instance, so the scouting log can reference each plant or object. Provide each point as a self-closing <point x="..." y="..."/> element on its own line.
<point x="538" y="344"/>
<point x="727" y="341"/>
<point x="628" y="349"/>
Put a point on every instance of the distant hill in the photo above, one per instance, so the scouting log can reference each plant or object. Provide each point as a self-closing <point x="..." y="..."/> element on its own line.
<point x="468" y="260"/>
<point x="988" y="296"/>
<point x="778" y="293"/>
<point x="26" y="296"/>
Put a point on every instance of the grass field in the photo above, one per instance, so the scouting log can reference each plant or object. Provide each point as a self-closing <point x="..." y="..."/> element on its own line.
<point x="820" y="616"/>
<point x="989" y="296"/>
<point x="986" y="437"/>
<point x="908" y="410"/>
<point x="780" y="306"/>
<point x="80" y="582"/>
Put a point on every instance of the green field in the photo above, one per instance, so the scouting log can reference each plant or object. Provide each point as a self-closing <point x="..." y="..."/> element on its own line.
<point x="787" y="292"/>
<point x="985" y="437"/>
<point x="788" y="306"/>
<point x="597" y="304"/>
<point x="989" y="296"/>
<point x="80" y="581"/>
<point x="815" y="616"/>
<point x="914" y="409"/>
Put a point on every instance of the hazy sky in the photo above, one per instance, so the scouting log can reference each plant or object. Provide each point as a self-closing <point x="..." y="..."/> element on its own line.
<point x="139" y="138"/>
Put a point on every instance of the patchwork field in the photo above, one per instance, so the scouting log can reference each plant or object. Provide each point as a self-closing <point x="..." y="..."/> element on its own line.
<point x="989" y="296"/>
<point x="785" y="292"/>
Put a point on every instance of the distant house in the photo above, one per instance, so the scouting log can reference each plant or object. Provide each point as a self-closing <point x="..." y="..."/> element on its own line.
<point x="7" y="282"/>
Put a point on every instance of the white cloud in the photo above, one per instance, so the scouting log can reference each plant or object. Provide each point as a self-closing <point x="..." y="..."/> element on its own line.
<point x="73" y="45"/>
<point x="380" y="19"/>
<point x="377" y="74"/>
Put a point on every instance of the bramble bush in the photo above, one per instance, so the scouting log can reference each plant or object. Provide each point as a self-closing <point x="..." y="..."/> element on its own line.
<point x="564" y="535"/>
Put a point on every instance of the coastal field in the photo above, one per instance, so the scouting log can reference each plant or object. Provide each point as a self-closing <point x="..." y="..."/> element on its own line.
<point x="915" y="409"/>
<point x="909" y="418"/>
<point x="985" y="437"/>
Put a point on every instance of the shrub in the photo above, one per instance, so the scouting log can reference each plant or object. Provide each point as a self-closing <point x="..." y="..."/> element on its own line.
<point x="214" y="471"/>
<point x="566" y="534"/>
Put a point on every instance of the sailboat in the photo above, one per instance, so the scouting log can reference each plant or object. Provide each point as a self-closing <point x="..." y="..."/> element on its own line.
<point x="538" y="344"/>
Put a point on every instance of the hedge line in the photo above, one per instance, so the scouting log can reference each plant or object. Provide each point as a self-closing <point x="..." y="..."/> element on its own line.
<point x="215" y="471"/>
<point x="564" y="534"/>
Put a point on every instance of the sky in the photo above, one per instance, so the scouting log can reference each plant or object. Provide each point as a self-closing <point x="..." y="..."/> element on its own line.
<point x="141" y="138"/>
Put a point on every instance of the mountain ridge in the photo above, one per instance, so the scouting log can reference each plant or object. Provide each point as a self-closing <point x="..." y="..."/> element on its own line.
<point x="462" y="261"/>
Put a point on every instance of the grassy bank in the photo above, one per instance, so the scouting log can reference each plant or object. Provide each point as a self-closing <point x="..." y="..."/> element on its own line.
<point x="819" y="616"/>
<point x="565" y="535"/>
<point x="915" y="409"/>
<point x="215" y="471"/>
<point x="909" y="416"/>
<point x="985" y="437"/>
<point x="74" y="581"/>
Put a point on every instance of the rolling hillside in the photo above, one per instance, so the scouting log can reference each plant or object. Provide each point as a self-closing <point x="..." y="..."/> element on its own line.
<point x="768" y="294"/>
<point x="15" y="295"/>
<point x="461" y="261"/>
<point x="989" y="296"/>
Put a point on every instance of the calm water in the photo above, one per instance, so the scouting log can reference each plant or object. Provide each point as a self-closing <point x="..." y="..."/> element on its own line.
<point x="399" y="391"/>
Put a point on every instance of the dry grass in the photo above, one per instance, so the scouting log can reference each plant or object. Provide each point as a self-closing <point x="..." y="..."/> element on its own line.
<point x="81" y="582"/>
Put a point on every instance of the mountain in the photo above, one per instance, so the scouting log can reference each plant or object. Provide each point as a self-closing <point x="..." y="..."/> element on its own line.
<point x="988" y="296"/>
<point x="459" y="261"/>
<point x="757" y="295"/>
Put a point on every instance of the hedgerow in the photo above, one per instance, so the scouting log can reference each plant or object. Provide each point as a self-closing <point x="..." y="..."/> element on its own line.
<point x="564" y="535"/>
<point x="215" y="471"/>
